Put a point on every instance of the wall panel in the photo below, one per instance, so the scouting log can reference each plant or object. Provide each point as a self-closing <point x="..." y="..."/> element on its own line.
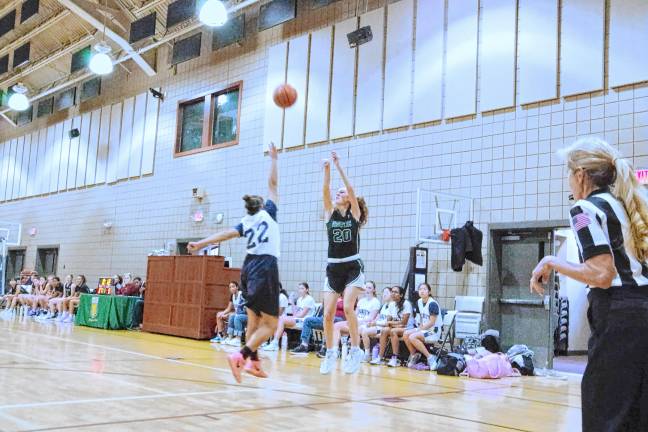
<point x="628" y="62"/>
<point x="74" y="152"/>
<point x="461" y="62"/>
<point x="368" y="113"/>
<point x="135" y="160"/>
<point x="84" y="143"/>
<point x="17" y="173"/>
<point x="428" y="61"/>
<point x="104" y="144"/>
<point x="497" y="54"/>
<point x="294" y="120"/>
<point x="342" y="81"/>
<point x="55" y="159"/>
<point x="273" y="123"/>
<point x="113" y="150"/>
<point x="24" y="167"/>
<point x="91" y="166"/>
<point x="582" y="40"/>
<point x="41" y="162"/>
<point x="64" y="163"/>
<point x="399" y="57"/>
<point x="32" y="177"/>
<point x="125" y="142"/>
<point x="319" y="81"/>
<point x="537" y="50"/>
<point x="150" y="134"/>
<point x="12" y="169"/>
<point x="4" y="168"/>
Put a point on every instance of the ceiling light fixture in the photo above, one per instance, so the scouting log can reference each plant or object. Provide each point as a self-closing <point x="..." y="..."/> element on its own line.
<point x="213" y="13"/>
<point x="18" y="100"/>
<point x="101" y="62"/>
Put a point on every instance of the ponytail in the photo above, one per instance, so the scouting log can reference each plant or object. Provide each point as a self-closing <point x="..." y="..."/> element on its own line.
<point x="364" y="211"/>
<point x="606" y="168"/>
<point x="628" y="190"/>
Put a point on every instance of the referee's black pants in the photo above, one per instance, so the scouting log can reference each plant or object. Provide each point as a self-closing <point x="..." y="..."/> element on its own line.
<point x="615" y="384"/>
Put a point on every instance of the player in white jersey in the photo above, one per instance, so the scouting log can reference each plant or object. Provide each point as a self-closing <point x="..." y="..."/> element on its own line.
<point x="429" y="323"/>
<point x="260" y="273"/>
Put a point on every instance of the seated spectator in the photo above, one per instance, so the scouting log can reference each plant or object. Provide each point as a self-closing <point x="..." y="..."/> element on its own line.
<point x="373" y="328"/>
<point x="304" y="308"/>
<point x="367" y="310"/>
<point x="428" y="331"/>
<point x="119" y="282"/>
<point x="283" y="301"/>
<point x="236" y="324"/>
<point x="56" y="291"/>
<point x="55" y="303"/>
<point x="13" y="291"/>
<point x="40" y="294"/>
<point x="138" y="312"/>
<point x="132" y="288"/>
<point x="400" y="311"/>
<point x="223" y="316"/>
<point x="78" y="287"/>
<point x="317" y="323"/>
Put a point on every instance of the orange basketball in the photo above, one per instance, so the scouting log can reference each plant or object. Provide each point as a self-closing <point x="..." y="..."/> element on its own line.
<point x="284" y="96"/>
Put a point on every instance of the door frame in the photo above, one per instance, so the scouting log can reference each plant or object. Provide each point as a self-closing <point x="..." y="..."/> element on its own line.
<point x="58" y="253"/>
<point x="498" y="230"/>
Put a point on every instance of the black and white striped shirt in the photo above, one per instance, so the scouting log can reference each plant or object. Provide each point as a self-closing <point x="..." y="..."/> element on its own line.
<point x="601" y="225"/>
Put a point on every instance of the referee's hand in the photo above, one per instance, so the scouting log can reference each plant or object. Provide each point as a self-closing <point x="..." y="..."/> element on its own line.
<point x="540" y="275"/>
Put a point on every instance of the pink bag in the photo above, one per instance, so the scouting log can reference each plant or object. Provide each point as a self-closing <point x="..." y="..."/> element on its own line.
<point x="492" y="366"/>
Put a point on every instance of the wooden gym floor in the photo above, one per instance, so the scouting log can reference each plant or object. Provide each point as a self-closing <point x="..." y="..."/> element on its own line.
<point x="62" y="378"/>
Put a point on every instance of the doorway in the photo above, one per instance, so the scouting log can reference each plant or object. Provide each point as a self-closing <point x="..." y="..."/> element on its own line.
<point x="46" y="261"/>
<point x="15" y="264"/>
<point x="521" y="317"/>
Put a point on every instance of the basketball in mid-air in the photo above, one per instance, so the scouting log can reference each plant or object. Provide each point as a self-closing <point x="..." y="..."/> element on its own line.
<point x="284" y="96"/>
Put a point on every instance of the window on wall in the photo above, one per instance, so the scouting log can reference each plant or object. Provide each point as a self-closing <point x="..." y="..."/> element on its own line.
<point x="209" y="121"/>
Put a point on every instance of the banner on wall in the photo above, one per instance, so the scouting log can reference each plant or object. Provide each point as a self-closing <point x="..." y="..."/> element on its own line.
<point x="642" y="176"/>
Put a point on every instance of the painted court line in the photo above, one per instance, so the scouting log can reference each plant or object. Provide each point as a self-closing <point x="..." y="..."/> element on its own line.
<point x="119" y="398"/>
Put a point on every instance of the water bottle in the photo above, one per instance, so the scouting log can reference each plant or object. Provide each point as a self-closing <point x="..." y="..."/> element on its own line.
<point x="345" y="346"/>
<point x="284" y="341"/>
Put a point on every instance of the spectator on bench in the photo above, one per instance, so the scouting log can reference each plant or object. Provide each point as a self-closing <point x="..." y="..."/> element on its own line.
<point x="317" y="323"/>
<point x="373" y="328"/>
<point x="367" y="310"/>
<point x="429" y="328"/>
<point x="304" y="308"/>
<point x="223" y="316"/>
<point x="283" y="301"/>
<point x="236" y="325"/>
<point x="132" y="288"/>
<point x="79" y="287"/>
<point x="13" y="291"/>
<point x="400" y="311"/>
<point x="58" y="294"/>
<point x="40" y="293"/>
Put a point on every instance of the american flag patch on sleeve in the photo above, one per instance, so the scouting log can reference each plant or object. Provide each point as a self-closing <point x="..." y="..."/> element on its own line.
<point x="580" y="221"/>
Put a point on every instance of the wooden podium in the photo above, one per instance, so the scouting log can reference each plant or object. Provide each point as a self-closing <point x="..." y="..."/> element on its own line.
<point x="183" y="294"/>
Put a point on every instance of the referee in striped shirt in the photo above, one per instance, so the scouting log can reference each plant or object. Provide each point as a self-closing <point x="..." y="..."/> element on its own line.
<point x="610" y="222"/>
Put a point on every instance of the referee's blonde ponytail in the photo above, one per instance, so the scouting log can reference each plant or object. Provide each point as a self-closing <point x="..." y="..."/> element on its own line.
<point x="605" y="167"/>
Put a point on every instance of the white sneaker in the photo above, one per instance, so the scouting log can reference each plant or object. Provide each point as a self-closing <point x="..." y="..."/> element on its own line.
<point x="432" y="362"/>
<point x="376" y="361"/>
<point x="69" y="319"/>
<point x="393" y="362"/>
<point x="413" y="360"/>
<point x="62" y="317"/>
<point x="366" y="358"/>
<point x="353" y="360"/>
<point x="329" y="361"/>
<point x="272" y="346"/>
<point x="236" y="342"/>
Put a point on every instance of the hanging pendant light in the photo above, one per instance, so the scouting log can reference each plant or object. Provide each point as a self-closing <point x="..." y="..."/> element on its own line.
<point x="213" y="13"/>
<point x="18" y="100"/>
<point x="101" y="62"/>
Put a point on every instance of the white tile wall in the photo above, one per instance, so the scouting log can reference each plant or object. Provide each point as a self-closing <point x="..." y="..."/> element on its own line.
<point x="504" y="160"/>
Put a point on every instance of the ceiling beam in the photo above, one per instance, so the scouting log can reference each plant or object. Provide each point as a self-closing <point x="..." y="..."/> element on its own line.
<point x="47" y="23"/>
<point x="86" y="16"/>
<point x="44" y="61"/>
<point x="6" y="117"/>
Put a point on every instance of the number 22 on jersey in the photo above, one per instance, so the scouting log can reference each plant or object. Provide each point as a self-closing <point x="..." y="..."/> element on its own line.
<point x="256" y="235"/>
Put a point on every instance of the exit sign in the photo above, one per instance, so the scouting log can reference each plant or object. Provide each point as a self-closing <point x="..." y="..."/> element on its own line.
<point x="642" y="176"/>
